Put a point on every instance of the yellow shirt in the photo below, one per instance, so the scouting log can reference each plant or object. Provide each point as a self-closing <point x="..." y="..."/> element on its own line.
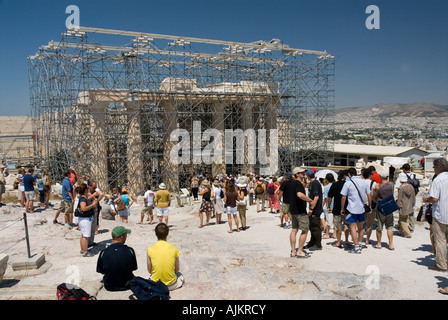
<point x="163" y="261"/>
<point x="162" y="198"/>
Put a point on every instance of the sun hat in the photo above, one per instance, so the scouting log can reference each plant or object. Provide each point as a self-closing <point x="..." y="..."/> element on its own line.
<point x="119" y="231"/>
<point x="162" y="186"/>
<point x="298" y="170"/>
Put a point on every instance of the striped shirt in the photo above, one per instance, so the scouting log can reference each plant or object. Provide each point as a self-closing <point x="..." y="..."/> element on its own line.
<point x="439" y="190"/>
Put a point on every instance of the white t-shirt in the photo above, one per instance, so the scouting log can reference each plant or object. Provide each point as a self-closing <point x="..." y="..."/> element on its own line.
<point x="355" y="203"/>
<point x="149" y="198"/>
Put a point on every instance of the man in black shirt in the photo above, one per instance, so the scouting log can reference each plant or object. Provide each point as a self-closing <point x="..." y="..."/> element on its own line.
<point x="296" y="195"/>
<point x="335" y="194"/>
<point x="117" y="262"/>
<point x="315" y="210"/>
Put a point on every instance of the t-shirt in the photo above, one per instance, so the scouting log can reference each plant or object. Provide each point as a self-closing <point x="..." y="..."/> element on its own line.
<point x="356" y="199"/>
<point x="149" y="198"/>
<point x="316" y="190"/>
<point x="163" y="261"/>
<point x="385" y="190"/>
<point x="335" y="194"/>
<point x="91" y="212"/>
<point x="290" y="189"/>
<point x="66" y="189"/>
<point x="326" y="189"/>
<point x="28" y="182"/>
<point x="117" y="262"/>
<point x="162" y="198"/>
<point x="231" y="199"/>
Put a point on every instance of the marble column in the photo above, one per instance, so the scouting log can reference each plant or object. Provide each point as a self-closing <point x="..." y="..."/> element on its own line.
<point x="218" y="123"/>
<point x="98" y="145"/>
<point x="169" y="169"/>
<point x="135" y="172"/>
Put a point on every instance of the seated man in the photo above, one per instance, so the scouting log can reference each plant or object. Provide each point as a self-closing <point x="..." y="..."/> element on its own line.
<point x="117" y="262"/>
<point x="163" y="260"/>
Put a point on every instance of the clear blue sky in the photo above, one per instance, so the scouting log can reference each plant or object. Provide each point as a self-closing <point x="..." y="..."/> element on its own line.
<point x="405" y="61"/>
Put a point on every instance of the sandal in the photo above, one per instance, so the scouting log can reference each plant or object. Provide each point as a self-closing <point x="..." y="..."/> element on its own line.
<point x="305" y="256"/>
<point x="443" y="290"/>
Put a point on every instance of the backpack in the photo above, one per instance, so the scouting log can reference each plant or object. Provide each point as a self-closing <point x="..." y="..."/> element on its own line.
<point x="270" y="189"/>
<point x="66" y="291"/>
<point x="146" y="289"/>
<point x="259" y="189"/>
<point x="413" y="181"/>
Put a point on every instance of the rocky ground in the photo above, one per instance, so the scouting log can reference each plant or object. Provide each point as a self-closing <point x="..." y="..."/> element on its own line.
<point x="247" y="265"/>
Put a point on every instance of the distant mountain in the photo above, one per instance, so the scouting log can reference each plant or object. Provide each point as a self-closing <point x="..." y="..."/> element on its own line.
<point x="419" y="109"/>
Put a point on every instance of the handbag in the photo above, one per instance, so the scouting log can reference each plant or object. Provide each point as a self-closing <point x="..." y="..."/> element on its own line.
<point x="121" y="206"/>
<point x="388" y="205"/>
<point x="366" y="206"/>
<point x="82" y="214"/>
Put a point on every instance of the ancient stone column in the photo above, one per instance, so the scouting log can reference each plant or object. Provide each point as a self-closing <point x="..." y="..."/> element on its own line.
<point x="98" y="145"/>
<point x="135" y="172"/>
<point x="218" y="123"/>
<point x="247" y="123"/>
<point x="169" y="169"/>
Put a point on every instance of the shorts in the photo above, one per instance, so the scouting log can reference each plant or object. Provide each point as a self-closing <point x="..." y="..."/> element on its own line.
<point x="231" y="210"/>
<point x="148" y="209"/>
<point x="285" y="208"/>
<point x="370" y="218"/>
<point x="66" y="207"/>
<point x="383" y="220"/>
<point x="124" y="213"/>
<point x="30" y="195"/>
<point x="351" y="218"/>
<point x="113" y="207"/>
<point x="329" y="218"/>
<point x="85" y="226"/>
<point x="300" y="221"/>
<point x="338" y="222"/>
<point x="2" y="188"/>
<point x="162" y="212"/>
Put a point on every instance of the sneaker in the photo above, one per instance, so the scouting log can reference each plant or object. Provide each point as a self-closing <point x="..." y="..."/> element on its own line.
<point x="55" y="221"/>
<point x="355" y="250"/>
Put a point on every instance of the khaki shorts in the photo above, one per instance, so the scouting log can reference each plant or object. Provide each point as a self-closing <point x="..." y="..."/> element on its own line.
<point x="285" y="208"/>
<point x="148" y="209"/>
<point x="338" y="222"/>
<point x="300" y="221"/>
<point x="66" y="207"/>
<point x="370" y="218"/>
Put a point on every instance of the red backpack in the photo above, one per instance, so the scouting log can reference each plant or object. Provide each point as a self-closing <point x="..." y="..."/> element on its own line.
<point x="67" y="291"/>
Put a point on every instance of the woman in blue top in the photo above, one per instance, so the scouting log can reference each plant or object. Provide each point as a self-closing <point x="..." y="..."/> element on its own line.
<point x="40" y="186"/>
<point x="124" y="213"/>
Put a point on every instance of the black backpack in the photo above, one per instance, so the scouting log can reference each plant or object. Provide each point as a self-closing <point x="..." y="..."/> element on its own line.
<point x="413" y="181"/>
<point x="67" y="291"/>
<point x="146" y="289"/>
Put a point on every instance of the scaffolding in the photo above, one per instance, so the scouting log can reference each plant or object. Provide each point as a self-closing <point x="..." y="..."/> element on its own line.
<point x="110" y="110"/>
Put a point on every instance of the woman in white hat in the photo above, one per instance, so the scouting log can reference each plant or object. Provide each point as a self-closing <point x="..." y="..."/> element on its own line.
<point x="242" y="203"/>
<point x="218" y="196"/>
<point x="207" y="204"/>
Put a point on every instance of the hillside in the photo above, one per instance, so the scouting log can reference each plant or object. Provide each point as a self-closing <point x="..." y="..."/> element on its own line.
<point x="419" y="109"/>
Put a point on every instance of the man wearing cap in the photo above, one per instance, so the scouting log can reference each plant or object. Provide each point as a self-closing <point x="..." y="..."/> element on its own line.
<point x="117" y="262"/>
<point x="295" y="193"/>
<point x="162" y="202"/>
<point x="2" y="183"/>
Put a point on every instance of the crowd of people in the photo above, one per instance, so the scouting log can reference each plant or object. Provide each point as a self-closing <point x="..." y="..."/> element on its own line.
<point x="348" y="202"/>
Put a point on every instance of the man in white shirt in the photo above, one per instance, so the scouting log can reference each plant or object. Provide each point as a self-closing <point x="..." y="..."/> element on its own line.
<point x="149" y="205"/>
<point x="355" y="191"/>
<point x="438" y="196"/>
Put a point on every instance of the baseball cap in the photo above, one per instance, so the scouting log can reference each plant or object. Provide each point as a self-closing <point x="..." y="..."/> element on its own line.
<point x="310" y="172"/>
<point x="119" y="231"/>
